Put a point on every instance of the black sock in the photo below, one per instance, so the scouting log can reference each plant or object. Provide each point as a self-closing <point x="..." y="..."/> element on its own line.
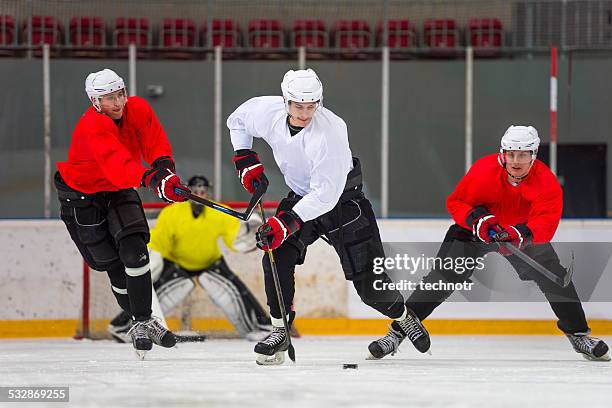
<point x="139" y="290"/>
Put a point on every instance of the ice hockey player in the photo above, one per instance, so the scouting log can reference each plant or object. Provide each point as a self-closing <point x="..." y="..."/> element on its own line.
<point x="511" y="197"/>
<point x="184" y="248"/>
<point x="99" y="205"/>
<point x="310" y="146"/>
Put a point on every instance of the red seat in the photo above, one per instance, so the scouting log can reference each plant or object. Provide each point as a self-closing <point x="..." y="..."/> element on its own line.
<point x="485" y="33"/>
<point x="178" y="32"/>
<point x="86" y="32"/>
<point x="225" y="33"/>
<point x="440" y="33"/>
<point x="309" y="34"/>
<point x="401" y="34"/>
<point x="349" y="34"/>
<point x="7" y="31"/>
<point x="265" y="34"/>
<point x="45" y="30"/>
<point x="132" y="30"/>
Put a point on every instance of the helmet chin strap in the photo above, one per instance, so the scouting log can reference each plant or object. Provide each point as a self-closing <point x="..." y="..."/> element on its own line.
<point x="521" y="178"/>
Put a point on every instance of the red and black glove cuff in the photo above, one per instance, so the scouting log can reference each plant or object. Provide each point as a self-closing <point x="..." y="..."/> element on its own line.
<point x="476" y="214"/>
<point x="153" y="176"/>
<point x="525" y="234"/>
<point x="245" y="158"/>
<point x="292" y="221"/>
<point x="164" y="162"/>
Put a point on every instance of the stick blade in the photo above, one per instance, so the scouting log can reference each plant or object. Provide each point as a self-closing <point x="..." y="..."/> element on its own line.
<point x="291" y="352"/>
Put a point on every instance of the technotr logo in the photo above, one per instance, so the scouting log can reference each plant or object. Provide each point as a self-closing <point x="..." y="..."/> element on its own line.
<point x="413" y="264"/>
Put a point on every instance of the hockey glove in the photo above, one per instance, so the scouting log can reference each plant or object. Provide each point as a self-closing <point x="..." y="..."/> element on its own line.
<point x="484" y="224"/>
<point x="164" y="162"/>
<point x="164" y="182"/>
<point x="249" y="169"/>
<point x="278" y="228"/>
<point x="518" y="235"/>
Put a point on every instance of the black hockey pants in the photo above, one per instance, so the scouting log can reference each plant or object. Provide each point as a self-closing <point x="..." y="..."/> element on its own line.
<point x="459" y="242"/>
<point x="352" y="230"/>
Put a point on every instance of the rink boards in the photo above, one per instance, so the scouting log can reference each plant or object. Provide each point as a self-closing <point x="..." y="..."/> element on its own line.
<point x="41" y="287"/>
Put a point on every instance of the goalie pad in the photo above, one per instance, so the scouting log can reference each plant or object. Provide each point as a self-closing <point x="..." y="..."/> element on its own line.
<point x="232" y="296"/>
<point x="156" y="264"/>
<point x="245" y="240"/>
<point x="173" y="286"/>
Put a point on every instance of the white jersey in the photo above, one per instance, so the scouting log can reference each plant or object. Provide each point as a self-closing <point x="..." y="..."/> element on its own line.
<point x="314" y="162"/>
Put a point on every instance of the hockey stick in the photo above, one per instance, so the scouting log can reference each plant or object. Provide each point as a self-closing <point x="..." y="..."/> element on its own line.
<point x="279" y="294"/>
<point x="190" y="338"/>
<point x="563" y="282"/>
<point x="244" y="216"/>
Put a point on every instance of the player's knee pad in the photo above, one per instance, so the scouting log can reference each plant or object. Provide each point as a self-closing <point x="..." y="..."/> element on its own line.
<point x="355" y="238"/>
<point x="173" y="286"/>
<point x="126" y="215"/>
<point x="226" y="295"/>
<point x="133" y="252"/>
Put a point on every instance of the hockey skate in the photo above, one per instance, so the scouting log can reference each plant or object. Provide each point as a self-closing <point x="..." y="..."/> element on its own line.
<point x="271" y="350"/>
<point x="158" y="333"/>
<point x="140" y="339"/>
<point x="591" y="348"/>
<point x="145" y="333"/>
<point x="119" y="327"/>
<point x="411" y="327"/>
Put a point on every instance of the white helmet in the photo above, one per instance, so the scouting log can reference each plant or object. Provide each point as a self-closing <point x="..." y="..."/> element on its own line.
<point x="102" y="83"/>
<point x="520" y="138"/>
<point x="302" y="86"/>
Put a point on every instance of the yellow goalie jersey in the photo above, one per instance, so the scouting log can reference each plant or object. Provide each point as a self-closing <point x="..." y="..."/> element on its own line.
<point x="192" y="242"/>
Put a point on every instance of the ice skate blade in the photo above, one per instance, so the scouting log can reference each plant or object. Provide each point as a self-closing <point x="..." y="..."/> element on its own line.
<point x="371" y="357"/>
<point x="605" y="357"/>
<point x="141" y="354"/>
<point x="276" y="359"/>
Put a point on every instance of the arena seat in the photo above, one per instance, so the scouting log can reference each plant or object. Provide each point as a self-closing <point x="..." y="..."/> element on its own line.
<point x="351" y="34"/>
<point x="265" y="33"/>
<point x="309" y="34"/>
<point x="132" y="30"/>
<point x="486" y="35"/>
<point x="8" y="36"/>
<point x="45" y="30"/>
<point x="225" y="32"/>
<point x="402" y="34"/>
<point x="178" y="33"/>
<point x="440" y="33"/>
<point x="86" y="32"/>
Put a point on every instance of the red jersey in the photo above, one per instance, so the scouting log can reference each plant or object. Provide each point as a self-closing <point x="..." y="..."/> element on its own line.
<point x="537" y="201"/>
<point x="104" y="156"/>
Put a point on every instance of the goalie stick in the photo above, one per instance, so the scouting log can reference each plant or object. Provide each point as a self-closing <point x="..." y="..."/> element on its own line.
<point x="244" y="216"/>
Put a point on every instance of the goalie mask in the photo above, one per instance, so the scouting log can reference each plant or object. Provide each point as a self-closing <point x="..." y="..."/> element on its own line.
<point x="199" y="186"/>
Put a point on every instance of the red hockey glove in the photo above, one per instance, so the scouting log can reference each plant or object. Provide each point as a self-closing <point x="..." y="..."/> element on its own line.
<point x="165" y="183"/>
<point x="518" y="235"/>
<point x="484" y="224"/>
<point x="277" y="230"/>
<point x="249" y="169"/>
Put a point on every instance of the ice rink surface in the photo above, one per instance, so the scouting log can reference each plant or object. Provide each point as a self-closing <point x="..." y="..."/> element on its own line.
<point x="463" y="371"/>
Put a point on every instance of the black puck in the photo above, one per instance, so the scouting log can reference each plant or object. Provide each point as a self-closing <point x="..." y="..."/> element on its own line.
<point x="349" y="366"/>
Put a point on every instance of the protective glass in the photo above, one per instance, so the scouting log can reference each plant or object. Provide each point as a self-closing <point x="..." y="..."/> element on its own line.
<point x="112" y="98"/>
<point x="518" y="156"/>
